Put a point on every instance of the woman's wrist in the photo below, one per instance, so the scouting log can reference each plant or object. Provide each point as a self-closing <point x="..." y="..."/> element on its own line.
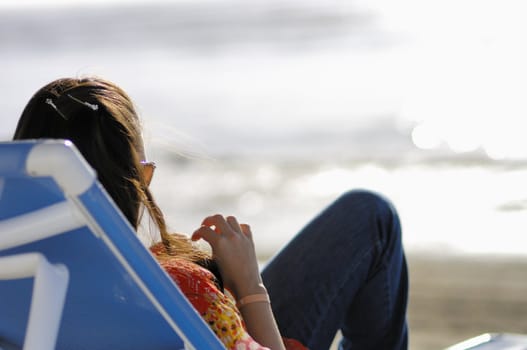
<point x="254" y="289"/>
<point x="253" y="299"/>
<point x="258" y="316"/>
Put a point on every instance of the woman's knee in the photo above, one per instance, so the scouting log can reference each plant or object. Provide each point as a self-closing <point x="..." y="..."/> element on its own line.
<point x="371" y="207"/>
<point x="366" y="200"/>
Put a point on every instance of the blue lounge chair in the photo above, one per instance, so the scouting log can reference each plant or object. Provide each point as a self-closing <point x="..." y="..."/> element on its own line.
<point x="73" y="274"/>
<point x="493" y="341"/>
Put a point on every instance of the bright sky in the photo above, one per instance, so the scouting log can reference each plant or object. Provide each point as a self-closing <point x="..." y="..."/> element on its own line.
<point x="49" y="3"/>
<point x="465" y="82"/>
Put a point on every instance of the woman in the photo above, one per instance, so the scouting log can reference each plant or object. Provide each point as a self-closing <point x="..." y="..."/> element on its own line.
<point x="345" y="270"/>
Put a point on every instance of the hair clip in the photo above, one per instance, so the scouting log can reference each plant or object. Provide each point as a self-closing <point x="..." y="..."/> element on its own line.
<point x="87" y="104"/>
<point x="49" y="101"/>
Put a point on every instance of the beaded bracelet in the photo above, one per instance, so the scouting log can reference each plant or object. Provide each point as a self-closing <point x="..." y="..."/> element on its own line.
<point x="253" y="298"/>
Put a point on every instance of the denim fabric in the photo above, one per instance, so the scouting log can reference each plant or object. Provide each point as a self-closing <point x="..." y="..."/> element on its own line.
<point x="345" y="270"/>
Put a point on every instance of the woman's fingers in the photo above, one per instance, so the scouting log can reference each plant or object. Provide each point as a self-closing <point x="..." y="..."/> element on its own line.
<point x="223" y="225"/>
<point x="218" y="221"/>
<point x="207" y="234"/>
<point x="216" y="227"/>
<point x="246" y="230"/>
<point x="231" y="220"/>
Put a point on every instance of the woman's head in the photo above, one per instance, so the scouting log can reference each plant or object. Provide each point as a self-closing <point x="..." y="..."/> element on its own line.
<point x="100" y="119"/>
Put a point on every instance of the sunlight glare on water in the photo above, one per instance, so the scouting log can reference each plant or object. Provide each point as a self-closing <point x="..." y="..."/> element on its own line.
<point x="467" y="81"/>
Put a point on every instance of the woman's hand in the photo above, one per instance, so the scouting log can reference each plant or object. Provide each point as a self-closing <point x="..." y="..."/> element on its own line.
<point x="233" y="249"/>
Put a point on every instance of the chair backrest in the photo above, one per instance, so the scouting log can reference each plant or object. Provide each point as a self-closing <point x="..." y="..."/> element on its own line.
<point x="118" y="297"/>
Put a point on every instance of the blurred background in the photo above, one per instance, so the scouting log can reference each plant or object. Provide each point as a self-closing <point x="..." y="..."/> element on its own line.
<point x="269" y="110"/>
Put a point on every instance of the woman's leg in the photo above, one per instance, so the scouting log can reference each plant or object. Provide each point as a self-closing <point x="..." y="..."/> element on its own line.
<point x="345" y="270"/>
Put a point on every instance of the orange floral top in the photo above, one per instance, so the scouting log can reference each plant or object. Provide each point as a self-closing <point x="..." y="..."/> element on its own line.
<point x="218" y="309"/>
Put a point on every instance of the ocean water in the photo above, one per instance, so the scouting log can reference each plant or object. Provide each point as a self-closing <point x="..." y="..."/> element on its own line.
<point x="445" y="208"/>
<point x="271" y="110"/>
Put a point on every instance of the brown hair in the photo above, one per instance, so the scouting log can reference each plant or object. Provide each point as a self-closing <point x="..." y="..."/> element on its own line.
<point x="100" y="119"/>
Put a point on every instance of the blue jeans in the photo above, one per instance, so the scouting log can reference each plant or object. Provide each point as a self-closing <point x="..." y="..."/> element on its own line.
<point x="345" y="270"/>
